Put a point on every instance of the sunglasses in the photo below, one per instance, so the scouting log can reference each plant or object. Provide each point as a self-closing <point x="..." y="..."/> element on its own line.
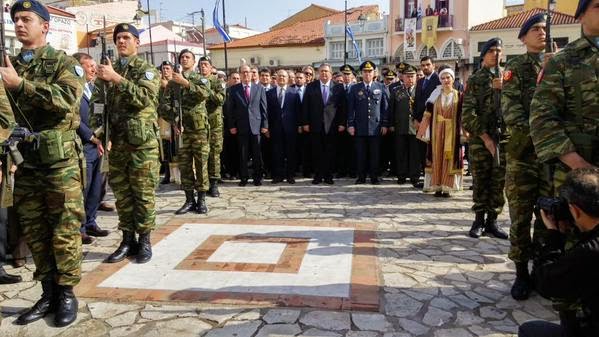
<point x="309" y="74"/>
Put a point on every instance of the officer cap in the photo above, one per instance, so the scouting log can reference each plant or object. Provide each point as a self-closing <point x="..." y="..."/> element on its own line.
<point x="390" y="74"/>
<point x="368" y="66"/>
<point x="346" y="69"/>
<point x="185" y="51"/>
<point x="206" y="58"/>
<point x="494" y="42"/>
<point x="124" y="27"/>
<point x="409" y="69"/>
<point x="400" y="67"/>
<point x="582" y="7"/>
<point x="533" y="20"/>
<point x="30" y="6"/>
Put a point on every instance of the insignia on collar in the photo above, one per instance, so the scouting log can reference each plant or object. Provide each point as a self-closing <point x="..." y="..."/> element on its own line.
<point x="205" y="81"/>
<point x="123" y="61"/>
<point x="149" y="75"/>
<point x="27" y="56"/>
<point x="79" y="71"/>
<point x="507" y="76"/>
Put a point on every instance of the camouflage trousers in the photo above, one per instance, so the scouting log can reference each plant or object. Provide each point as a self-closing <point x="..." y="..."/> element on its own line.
<point x="49" y="206"/>
<point x="216" y="144"/>
<point x="525" y="182"/>
<point x="134" y="176"/>
<point x="487" y="179"/>
<point x="194" y="153"/>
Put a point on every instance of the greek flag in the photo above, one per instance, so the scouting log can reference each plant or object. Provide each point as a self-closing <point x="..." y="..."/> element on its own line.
<point x="217" y="24"/>
<point x="353" y="41"/>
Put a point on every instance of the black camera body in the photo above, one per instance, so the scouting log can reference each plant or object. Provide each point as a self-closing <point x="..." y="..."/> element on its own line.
<point x="556" y="207"/>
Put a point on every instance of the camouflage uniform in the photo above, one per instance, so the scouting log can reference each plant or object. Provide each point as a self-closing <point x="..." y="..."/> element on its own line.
<point x="134" y="158"/>
<point x="525" y="175"/>
<point x="48" y="185"/>
<point x="214" y="106"/>
<point x="478" y="118"/>
<point x="564" y="113"/>
<point x="7" y="123"/>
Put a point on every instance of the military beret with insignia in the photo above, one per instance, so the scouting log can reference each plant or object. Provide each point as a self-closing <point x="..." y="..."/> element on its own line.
<point x="166" y="63"/>
<point x="390" y="74"/>
<point x="185" y="51"/>
<point x="494" y="42"/>
<point x="124" y="27"/>
<point x="206" y="58"/>
<point x="30" y="6"/>
<point x="582" y="7"/>
<point x="533" y="20"/>
<point x="409" y="69"/>
<point x="367" y="66"/>
<point x="346" y="69"/>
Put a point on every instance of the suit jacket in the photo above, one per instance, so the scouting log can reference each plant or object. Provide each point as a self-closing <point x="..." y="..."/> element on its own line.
<point x="318" y="116"/>
<point x="247" y="117"/>
<point x="286" y="119"/>
<point x="85" y="131"/>
<point x="368" y="111"/>
<point x="423" y="93"/>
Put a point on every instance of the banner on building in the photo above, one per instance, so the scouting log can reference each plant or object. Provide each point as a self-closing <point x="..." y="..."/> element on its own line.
<point x="410" y="34"/>
<point x="429" y="30"/>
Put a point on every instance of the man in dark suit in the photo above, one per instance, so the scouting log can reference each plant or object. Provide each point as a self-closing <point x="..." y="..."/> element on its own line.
<point x="284" y="106"/>
<point x="367" y="120"/>
<point x="324" y="119"/>
<point x="93" y="150"/>
<point x="247" y="118"/>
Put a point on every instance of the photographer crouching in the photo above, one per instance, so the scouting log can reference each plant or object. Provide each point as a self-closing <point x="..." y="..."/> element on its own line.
<point x="572" y="274"/>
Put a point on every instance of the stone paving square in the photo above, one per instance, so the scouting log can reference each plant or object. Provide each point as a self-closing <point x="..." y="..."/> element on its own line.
<point x="287" y="263"/>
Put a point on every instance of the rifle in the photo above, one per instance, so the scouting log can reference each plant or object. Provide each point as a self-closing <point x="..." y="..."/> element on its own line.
<point x="10" y="155"/>
<point x="106" y="113"/>
<point x="498" y="114"/>
<point x="548" y="40"/>
<point x="177" y="140"/>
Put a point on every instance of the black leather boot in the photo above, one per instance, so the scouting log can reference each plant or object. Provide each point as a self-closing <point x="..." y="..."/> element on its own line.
<point x="6" y="278"/>
<point x="201" y="207"/>
<point x="477" y="226"/>
<point x="523" y="285"/>
<point x="189" y="205"/>
<point x="145" y="248"/>
<point x="167" y="174"/>
<point x="128" y="247"/>
<point x="44" y="306"/>
<point x="66" y="306"/>
<point x="493" y="228"/>
<point x="213" y="190"/>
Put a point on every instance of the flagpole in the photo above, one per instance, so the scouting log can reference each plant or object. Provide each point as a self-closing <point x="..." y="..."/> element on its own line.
<point x="345" y="36"/>
<point x="226" y="30"/>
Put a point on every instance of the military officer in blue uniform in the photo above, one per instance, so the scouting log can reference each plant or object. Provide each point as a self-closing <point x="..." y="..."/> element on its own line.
<point x="367" y="120"/>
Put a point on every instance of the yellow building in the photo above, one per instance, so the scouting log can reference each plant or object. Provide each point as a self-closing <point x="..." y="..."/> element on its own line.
<point x="562" y="6"/>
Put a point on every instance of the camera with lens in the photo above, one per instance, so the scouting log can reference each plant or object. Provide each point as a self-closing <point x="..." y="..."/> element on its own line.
<point x="555" y="207"/>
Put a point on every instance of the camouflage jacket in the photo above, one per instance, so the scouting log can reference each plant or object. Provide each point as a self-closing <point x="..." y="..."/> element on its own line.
<point x="193" y="102"/>
<point x="7" y="118"/>
<point x="564" y="113"/>
<point x="133" y="103"/>
<point x="48" y="101"/>
<point x="215" y="101"/>
<point x="478" y="114"/>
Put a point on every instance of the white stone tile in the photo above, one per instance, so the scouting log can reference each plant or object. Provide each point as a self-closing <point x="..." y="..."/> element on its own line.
<point x="248" y="252"/>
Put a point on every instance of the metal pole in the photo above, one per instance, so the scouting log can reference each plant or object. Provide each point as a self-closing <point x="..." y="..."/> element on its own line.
<point x="226" y="30"/>
<point x="203" y="31"/>
<point x="150" y="30"/>
<point x="345" y="35"/>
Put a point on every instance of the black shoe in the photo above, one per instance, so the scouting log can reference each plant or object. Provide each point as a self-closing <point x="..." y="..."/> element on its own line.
<point x="276" y="180"/>
<point x="144" y="253"/>
<point x="106" y="207"/>
<point x="418" y="184"/>
<point x="96" y="231"/>
<point x="329" y="181"/>
<point x="477" y="226"/>
<point x="360" y="181"/>
<point x="316" y="181"/>
<point x="128" y="247"/>
<point x="401" y="181"/>
<point x="445" y="195"/>
<point x="257" y="182"/>
<point x="201" y="207"/>
<point x="86" y="239"/>
<point x="243" y="182"/>
<point x="523" y="285"/>
<point x="189" y="205"/>
<point x="492" y="227"/>
<point x="438" y="194"/>
<point x="341" y="175"/>
<point x="375" y="181"/>
<point x="66" y="306"/>
<point x="6" y="278"/>
<point x="213" y="190"/>
<point x="44" y="306"/>
<point x="291" y="180"/>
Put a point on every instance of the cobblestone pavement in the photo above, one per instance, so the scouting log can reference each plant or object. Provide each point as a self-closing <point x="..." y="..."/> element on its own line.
<point x="436" y="281"/>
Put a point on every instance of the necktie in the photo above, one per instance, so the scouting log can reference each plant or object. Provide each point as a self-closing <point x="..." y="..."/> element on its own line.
<point x="281" y="96"/>
<point x="368" y="90"/>
<point x="247" y="93"/>
<point x="87" y="91"/>
<point x="424" y="83"/>
<point x="301" y="94"/>
<point x="325" y="94"/>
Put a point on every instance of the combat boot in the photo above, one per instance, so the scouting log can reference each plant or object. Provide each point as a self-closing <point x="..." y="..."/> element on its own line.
<point x="128" y="247"/>
<point x="493" y="228"/>
<point x="66" y="306"/>
<point x="213" y="190"/>
<point x="145" y="248"/>
<point x="523" y="284"/>
<point x="189" y="205"/>
<point x="201" y="207"/>
<point x="477" y="226"/>
<point x="44" y="306"/>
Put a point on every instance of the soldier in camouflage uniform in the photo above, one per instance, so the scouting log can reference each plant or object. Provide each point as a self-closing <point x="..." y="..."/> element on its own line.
<point x="524" y="173"/>
<point x="47" y="86"/>
<point x="133" y="86"/>
<point x="214" y="106"/>
<point x="195" y="148"/>
<point x="483" y="125"/>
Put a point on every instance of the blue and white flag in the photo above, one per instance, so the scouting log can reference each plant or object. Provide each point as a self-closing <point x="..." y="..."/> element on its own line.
<point x="353" y="41"/>
<point x="217" y="24"/>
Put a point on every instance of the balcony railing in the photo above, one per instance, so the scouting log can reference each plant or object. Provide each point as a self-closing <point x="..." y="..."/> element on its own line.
<point x="445" y="21"/>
